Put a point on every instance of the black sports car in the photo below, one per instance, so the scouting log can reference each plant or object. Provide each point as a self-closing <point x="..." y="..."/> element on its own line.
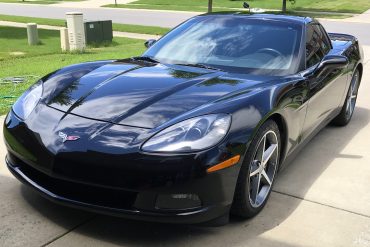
<point x="195" y="128"/>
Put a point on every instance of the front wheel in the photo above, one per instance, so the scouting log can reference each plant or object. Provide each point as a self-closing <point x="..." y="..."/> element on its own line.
<point x="258" y="172"/>
<point x="348" y="108"/>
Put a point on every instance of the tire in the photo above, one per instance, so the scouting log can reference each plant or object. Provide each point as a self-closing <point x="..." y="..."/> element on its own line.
<point x="249" y="201"/>
<point x="345" y="115"/>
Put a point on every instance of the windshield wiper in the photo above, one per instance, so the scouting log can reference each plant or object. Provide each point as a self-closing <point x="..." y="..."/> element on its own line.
<point x="199" y="65"/>
<point x="145" y="58"/>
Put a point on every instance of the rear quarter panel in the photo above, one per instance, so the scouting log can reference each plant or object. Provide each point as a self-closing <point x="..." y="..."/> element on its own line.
<point x="349" y="46"/>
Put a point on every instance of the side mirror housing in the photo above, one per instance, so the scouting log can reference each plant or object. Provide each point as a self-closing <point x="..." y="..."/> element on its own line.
<point x="333" y="62"/>
<point x="329" y="62"/>
<point x="149" y="43"/>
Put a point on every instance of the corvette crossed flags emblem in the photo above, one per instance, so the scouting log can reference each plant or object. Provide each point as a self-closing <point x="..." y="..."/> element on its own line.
<point x="66" y="137"/>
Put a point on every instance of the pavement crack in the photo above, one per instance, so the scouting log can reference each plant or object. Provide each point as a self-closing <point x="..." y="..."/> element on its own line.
<point x="322" y="204"/>
<point x="70" y="230"/>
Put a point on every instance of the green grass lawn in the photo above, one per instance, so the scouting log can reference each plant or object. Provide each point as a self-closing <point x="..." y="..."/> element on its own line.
<point x="19" y="59"/>
<point x="140" y="29"/>
<point x="345" y="6"/>
<point x="116" y="26"/>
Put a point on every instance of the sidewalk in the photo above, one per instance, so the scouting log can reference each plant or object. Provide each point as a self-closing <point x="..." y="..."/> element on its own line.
<point x="115" y="33"/>
<point x="90" y="3"/>
<point x="362" y="18"/>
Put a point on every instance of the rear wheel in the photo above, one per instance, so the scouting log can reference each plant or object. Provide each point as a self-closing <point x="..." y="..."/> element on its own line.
<point x="348" y="108"/>
<point x="258" y="172"/>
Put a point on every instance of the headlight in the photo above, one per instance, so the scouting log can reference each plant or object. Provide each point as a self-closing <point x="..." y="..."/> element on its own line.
<point x="190" y="135"/>
<point x="28" y="101"/>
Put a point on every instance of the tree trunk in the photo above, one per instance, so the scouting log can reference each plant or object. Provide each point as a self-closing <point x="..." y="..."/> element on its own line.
<point x="284" y="6"/>
<point x="210" y="6"/>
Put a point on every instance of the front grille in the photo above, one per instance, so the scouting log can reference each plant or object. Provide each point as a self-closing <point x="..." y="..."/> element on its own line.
<point x="95" y="195"/>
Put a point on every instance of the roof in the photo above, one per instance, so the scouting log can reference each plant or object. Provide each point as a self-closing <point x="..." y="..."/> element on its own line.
<point x="286" y="18"/>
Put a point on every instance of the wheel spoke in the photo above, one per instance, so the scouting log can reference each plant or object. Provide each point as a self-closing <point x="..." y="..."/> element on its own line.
<point x="264" y="174"/>
<point x="255" y="187"/>
<point x="268" y="153"/>
<point x="254" y="168"/>
<point x="261" y="150"/>
<point x="348" y="106"/>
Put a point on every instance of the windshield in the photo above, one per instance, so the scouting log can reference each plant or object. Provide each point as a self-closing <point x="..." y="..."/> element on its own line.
<point x="232" y="43"/>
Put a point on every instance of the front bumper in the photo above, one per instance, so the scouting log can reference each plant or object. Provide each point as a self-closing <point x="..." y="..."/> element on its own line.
<point x="194" y="216"/>
<point x="126" y="185"/>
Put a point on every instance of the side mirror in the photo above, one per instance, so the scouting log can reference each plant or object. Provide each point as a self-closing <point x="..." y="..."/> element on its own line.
<point x="149" y="43"/>
<point x="328" y="63"/>
<point x="333" y="62"/>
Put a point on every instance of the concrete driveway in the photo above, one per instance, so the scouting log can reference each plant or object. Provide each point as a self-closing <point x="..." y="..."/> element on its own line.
<point x="321" y="199"/>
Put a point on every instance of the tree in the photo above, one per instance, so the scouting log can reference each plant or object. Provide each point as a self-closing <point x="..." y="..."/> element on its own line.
<point x="284" y="5"/>
<point x="210" y="3"/>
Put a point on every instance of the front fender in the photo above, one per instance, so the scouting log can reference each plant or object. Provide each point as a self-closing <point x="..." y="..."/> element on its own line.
<point x="285" y="103"/>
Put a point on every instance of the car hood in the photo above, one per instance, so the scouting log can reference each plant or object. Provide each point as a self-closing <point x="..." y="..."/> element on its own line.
<point x="144" y="94"/>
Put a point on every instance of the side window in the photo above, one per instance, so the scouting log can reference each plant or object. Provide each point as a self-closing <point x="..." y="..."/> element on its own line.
<point x="317" y="45"/>
<point x="326" y="40"/>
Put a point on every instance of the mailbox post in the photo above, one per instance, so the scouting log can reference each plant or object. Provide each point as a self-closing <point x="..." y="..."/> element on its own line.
<point x="32" y="34"/>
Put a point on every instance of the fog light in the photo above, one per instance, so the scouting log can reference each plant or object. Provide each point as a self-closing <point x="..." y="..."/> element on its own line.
<point x="177" y="201"/>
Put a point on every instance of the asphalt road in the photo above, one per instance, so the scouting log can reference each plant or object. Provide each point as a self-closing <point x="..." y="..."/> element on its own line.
<point x="155" y="18"/>
<point x="142" y="17"/>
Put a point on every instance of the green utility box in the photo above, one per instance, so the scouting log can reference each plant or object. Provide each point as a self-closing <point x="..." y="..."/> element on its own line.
<point x="97" y="32"/>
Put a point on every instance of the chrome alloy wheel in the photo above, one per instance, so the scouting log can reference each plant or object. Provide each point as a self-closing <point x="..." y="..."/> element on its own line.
<point x="352" y="95"/>
<point x="263" y="168"/>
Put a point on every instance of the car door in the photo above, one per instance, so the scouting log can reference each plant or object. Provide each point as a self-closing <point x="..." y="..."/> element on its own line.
<point x="325" y="88"/>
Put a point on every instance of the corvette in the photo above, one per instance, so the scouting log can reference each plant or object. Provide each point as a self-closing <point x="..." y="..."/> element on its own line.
<point x="193" y="130"/>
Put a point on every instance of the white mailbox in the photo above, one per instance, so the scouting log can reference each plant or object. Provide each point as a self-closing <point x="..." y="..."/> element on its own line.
<point x="76" y="31"/>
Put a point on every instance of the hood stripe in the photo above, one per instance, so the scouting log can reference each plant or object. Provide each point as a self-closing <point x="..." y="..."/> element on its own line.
<point x="77" y="102"/>
<point x="164" y="94"/>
